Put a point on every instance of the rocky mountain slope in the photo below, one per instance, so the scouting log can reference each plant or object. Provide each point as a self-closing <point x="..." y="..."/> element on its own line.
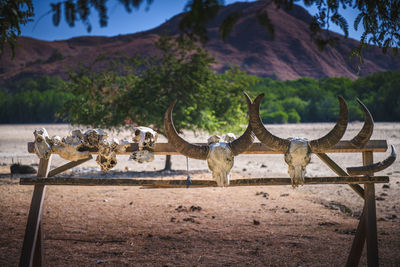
<point x="290" y="55"/>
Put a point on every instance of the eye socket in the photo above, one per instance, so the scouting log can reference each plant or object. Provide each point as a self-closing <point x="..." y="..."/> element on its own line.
<point x="148" y="135"/>
<point x="137" y="132"/>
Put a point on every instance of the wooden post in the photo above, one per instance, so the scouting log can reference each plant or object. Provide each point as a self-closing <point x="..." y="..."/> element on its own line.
<point x="358" y="242"/>
<point x="32" y="250"/>
<point x="370" y="206"/>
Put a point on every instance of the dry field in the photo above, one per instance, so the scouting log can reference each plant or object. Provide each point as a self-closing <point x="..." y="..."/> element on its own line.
<point x="260" y="226"/>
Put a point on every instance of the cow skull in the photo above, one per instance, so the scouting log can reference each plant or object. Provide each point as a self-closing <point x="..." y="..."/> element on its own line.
<point x="146" y="139"/>
<point x="220" y="159"/>
<point x="41" y="144"/>
<point x="297" y="157"/>
<point x="218" y="153"/>
<point x="297" y="151"/>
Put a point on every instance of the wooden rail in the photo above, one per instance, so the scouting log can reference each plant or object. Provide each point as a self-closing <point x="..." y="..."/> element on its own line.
<point x="198" y="183"/>
<point x="256" y="148"/>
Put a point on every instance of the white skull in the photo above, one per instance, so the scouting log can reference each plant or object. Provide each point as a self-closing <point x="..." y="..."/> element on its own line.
<point x="71" y="147"/>
<point x="42" y="146"/>
<point x="220" y="160"/>
<point x="145" y="137"/>
<point x="297" y="157"/>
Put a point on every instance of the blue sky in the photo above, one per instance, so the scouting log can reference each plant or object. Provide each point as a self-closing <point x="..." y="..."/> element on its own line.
<point x="122" y="22"/>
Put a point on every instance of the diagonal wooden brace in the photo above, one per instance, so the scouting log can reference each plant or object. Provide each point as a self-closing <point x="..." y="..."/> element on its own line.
<point x="32" y="248"/>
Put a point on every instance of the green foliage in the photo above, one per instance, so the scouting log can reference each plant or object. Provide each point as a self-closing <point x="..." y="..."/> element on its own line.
<point x="310" y="100"/>
<point x="206" y="100"/>
<point x="13" y="14"/>
<point x="32" y="100"/>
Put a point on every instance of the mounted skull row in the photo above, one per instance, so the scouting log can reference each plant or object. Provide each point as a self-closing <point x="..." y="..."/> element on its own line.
<point x="297" y="151"/>
<point x="78" y="145"/>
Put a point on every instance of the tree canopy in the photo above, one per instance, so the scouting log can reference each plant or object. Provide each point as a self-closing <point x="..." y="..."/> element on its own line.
<point x="140" y="96"/>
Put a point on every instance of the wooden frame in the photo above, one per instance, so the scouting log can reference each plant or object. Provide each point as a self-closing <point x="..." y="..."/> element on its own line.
<point x="32" y="249"/>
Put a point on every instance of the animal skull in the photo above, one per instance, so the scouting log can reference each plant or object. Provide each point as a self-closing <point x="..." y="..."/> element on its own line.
<point x="146" y="139"/>
<point x="219" y="152"/>
<point x="107" y="158"/>
<point x="220" y="160"/>
<point x="93" y="138"/>
<point x="297" y="157"/>
<point x="70" y="147"/>
<point x="297" y="150"/>
<point x="42" y="146"/>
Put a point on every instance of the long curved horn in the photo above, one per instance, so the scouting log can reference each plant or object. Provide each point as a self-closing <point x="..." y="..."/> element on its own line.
<point x="183" y="147"/>
<point x="334" y="136"/>
<point x="365" y="133"/>
<point x="376" y="167"/>
<point x="240" y="144"/>
<point x="266" y="138"/>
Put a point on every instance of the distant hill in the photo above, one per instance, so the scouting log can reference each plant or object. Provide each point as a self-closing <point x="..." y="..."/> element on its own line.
<point x="290" y="56"/>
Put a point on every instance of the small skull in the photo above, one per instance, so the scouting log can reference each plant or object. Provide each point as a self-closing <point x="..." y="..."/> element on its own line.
<point x="70" y="147"/>
<point x="92" y="138"/>
<point x="42" y="146"/>
<point x="297" y="157"/>
<point x="220" y="160"/>
<point x="107" y="158"/>
<point x="146" y="139"/>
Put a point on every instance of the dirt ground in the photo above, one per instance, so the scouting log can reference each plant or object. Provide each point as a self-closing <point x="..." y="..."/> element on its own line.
<point x="257" y="226"/>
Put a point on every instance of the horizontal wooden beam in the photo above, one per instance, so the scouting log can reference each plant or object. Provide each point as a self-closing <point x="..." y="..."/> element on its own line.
<point x="198" y="183"/>
<point x="256" y="148"/>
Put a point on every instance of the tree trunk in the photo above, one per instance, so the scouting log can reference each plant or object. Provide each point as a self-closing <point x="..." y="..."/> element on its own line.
<point x="168" y="163"/>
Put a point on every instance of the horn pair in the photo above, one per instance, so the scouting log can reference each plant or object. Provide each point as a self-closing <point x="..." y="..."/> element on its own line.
<point x="279" y="144"/>
<point x="237" y="146"/>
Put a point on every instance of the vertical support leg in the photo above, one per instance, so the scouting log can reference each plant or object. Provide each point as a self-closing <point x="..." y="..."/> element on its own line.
<point x="38" y="255"/>
<point x="370" y="214"/>
<point x="358" y="242"/>
<point x="32" y="252"/>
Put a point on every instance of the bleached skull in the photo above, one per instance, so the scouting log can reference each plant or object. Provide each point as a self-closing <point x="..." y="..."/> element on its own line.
<point x="146" y="139"/>
<point x="297" y="157"/>
<point x="219" y="152"/>
<point x="220" y="160"/>
<point x="41" y="144"/>
<point x="71" y="147"/>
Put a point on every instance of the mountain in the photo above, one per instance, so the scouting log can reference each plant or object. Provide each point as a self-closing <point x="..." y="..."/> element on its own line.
<point x="289" y="56"/>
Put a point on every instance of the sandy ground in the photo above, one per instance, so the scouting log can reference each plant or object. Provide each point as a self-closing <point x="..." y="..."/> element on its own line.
<point x="262" y="226"/>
